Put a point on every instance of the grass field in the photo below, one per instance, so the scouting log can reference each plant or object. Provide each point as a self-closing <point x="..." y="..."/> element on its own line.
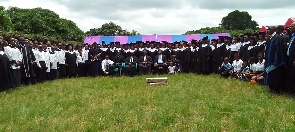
<point x="189" y="103"/>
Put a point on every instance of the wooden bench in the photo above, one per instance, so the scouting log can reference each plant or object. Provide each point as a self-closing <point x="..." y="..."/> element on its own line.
<point x="157" y="81"/>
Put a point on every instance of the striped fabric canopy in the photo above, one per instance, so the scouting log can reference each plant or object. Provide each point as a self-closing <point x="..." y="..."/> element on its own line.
<point x="144" y="38"/>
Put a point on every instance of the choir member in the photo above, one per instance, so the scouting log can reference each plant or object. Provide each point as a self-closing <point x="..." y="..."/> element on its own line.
<point x="218" y="53"/>
<point x="260" y="67"/>
<point x="85" y="52"/>
<point x="94" y="56"/>
<point x="6" y="80"/>
<point x="53" y="58"/>
<point x="15" y="57"/>
<point x="81" y="59"/>
<point x="291" y="59"/>
<point x="107" y="66"/>
<point x="226" y="68"/>
<point x="71" y="64"/>
<point x="234" y="48"/>
<point x="274" y="60"/>
<point x="145" y="62"/>
<point x="160" y="62"/>
<point x="41" y="64"/>
<point x="172" y="68"/>
<point x="45" y="47"/>
<point x="130" y="65"/>
<point x="27" y="70"/>
<point x="237" y="65"/>
<point x="244" y="47"/>
<point x="118" y="61"/>
<point x="61" y="55"/>
<point x="204" y="56"/>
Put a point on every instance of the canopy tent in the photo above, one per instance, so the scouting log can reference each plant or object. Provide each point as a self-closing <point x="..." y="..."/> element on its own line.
<point x="144" y="38"/>
<point x="289" y="22"/>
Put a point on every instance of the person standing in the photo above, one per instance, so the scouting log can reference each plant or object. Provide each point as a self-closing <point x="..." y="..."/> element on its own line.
<point x="274" y="61"/>
<point x="291" y="59"/>
<point x="61" y="55"/>
<point x="27" y="71"/>
<point x="15" y="57"/>
<point x="6" y="81"/>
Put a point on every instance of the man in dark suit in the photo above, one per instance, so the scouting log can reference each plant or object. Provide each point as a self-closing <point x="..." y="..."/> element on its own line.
<point x="291" y="59"/>
<point x="118" y="60"/>
<point x="145" y="62"/>
<point x="160" y="64"/>
<point x="130" y="65"/>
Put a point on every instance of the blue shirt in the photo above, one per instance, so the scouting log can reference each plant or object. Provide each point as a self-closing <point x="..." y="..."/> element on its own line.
<point x="226" y="67"/>
<point x="290" y="43"/>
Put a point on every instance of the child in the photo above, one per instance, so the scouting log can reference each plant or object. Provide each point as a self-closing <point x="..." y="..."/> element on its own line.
<point x="175" y="62"/>
<point x="252" y="67"/>
<point x="258" y="77"/>
<point x="242" y="73"/>
<point x="237" y="65"/>
<point x="226" y="68"/>
<point x="172" y="69"/>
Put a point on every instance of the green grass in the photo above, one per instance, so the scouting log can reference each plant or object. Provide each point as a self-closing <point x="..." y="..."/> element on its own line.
<point x="188" y="103"/>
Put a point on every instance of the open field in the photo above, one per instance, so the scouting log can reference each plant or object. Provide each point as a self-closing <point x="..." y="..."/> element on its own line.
<point x="188" y="103"/>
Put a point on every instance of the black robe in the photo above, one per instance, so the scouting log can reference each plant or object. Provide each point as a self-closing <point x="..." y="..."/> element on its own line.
<point x="275" y="55"/>
<point x="204" y="57"/>
<point x="242" y="52"/>
<point x="250" y="53"/>
<point x="291" y="68"/>
<point x="218" y="57"/>
<point x="6" y="81"/>
<point x="72" y="65"/>
<point x="185" y="59"/>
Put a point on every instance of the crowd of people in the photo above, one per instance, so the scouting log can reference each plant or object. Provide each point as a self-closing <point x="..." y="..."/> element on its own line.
<point x="264" y="58"/>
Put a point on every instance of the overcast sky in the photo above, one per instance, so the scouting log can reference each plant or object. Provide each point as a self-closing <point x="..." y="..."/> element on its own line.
<point x="160" y="16"/>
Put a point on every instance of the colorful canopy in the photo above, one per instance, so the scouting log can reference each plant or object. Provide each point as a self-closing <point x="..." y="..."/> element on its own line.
<point x="144" y="38"/>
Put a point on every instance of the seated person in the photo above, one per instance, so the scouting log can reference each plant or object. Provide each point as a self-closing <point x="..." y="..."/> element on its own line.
<point x="226" y="68"/>
<point x="118" y="60"/>
<point x="252" y="66"/>
<point x="242" y="73"/>
<point x="175" y="62"/>
<point x="172" y="69"/>
<point x="237" y="65"/>
<point x="107" y="66"/>
<point x="258" y="77"/>
<point x="160" y="62"/>
<point x="145" y="62"/>
<point x="130" y="65"/>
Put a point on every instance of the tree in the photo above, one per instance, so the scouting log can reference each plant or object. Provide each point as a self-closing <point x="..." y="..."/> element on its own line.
<point x="213" y="30"/>
<point x="237" y="20"/>
<point x="110" y="29"/>
<point x="5" y="21"/>
<point x="44" y="22"/>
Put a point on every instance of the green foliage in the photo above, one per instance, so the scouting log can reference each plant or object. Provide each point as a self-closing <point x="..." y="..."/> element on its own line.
<point x="5" y="21"/>
<point x="44" y="22"/>
<point x="237" y="20"/>
<point x="212" y="30"/>
<point x="111" y="29"/>
<point x="189" y="102"/>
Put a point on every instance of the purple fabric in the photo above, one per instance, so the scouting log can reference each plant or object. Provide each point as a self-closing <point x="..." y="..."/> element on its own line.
<point x="121" y="39"/>
<point x="91" y="39"/>
<point x="167" y="38"/>
<point x="191" y="37"/>
<point x="148" y="38"/>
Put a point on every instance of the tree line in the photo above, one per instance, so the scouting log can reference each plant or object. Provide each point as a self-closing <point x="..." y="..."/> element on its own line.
<point x="45" y="25"/>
